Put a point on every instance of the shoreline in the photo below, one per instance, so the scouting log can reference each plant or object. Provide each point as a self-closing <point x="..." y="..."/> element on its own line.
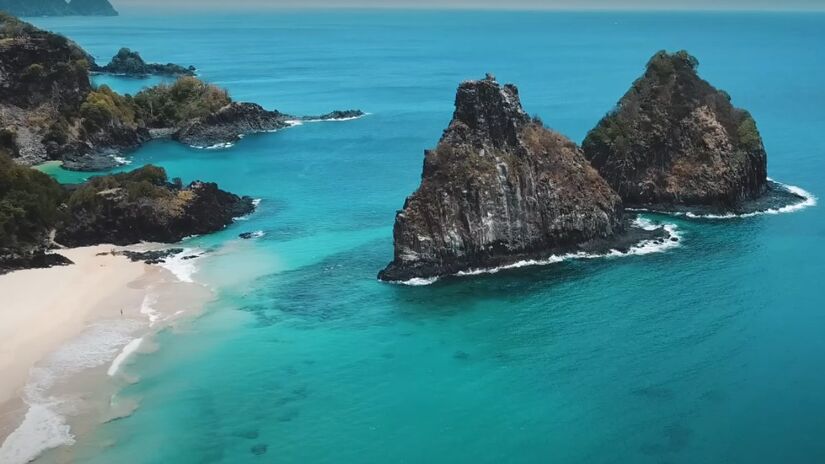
<point x="68" y="333"/>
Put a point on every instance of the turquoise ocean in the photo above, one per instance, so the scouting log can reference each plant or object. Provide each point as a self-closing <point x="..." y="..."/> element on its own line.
<point x="712" y="351"/>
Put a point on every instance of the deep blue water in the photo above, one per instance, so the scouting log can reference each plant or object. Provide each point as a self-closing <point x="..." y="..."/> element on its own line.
<point x="710" y="352"/>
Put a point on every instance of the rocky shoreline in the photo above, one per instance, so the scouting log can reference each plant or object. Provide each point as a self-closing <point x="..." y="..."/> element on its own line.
<point x="49" y="109"/>
<point x="621" y="243"/>
<point x="777" y="198"/>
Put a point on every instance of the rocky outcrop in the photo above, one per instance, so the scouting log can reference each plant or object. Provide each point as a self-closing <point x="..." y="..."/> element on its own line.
<point x="674" y="141"/>
<point x="235" y="120"/>
<point x="130" y="63"/>
<point x="36" y="213"/>
<point x="92" y="8"/>
<point x="500" y="188"/>
<point x="336" y="115"/>
<point x="143" y="205"/>
<point x="58" y="7"/>
<point x="229" y="123"/>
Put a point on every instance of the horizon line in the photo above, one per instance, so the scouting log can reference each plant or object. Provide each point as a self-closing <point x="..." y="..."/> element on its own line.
<point x="468" y="8"/>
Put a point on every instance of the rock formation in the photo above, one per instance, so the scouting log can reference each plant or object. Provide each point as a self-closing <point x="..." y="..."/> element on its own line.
<point x="500" y="188"/>
<point x="228" y="123"/>
<point x="142" y="205"/>
<point x="36" y="213"/>
<point x="675" y="141"/>
<point x="130" y="63"/>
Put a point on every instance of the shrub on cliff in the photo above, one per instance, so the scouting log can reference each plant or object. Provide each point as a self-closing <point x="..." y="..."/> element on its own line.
<point x="103" y="107"/>
<point x="188" y="98"/>
<point x="29" y="203"/>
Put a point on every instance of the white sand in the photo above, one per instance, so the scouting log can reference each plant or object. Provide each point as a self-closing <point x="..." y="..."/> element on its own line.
<point x="41" y="309"/>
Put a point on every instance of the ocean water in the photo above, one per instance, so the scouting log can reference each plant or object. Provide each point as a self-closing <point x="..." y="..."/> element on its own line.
<point x="707" y="352"/>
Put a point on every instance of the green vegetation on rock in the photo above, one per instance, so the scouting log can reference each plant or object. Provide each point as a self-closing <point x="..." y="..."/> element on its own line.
<point x="186" y="99"/>
<point x="28" y="207"/>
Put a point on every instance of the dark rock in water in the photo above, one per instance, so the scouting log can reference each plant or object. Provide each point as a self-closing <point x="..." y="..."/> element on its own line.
<point x="462" y="355"/>
<point x="500" y="188"/>
<point x="130" y="63"/>
<point x="259" y="449"/>
<point x="38" y="260"/>
<point x="187" y="258"/>
<point x="150" y="257"/>
<point x="142" y="205"/>
<point x="335" y="115"/>
<point x="229" y="123"/>
<point x="97" y="161"/>
<point x="246" y="235"/>
<point x="675" y="141"/>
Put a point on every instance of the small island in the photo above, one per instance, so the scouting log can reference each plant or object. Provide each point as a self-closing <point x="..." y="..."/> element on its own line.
<point x="129" y="63"/>
<point x="501" y="188"/>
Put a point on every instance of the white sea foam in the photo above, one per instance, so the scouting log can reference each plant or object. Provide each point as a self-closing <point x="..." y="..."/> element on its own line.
<point x="121" y="160"/>
<point x="642" y="248"/>
<point x="44" y="425"/>
<point x="127" y="351"/>
<point x="183" y="269"/>
<point x="218" y="146"/>
<point x="42" y="429"/>
<point x="807" y="200"/>
<point x="146" y="308"/>
<point x="301" y="122"/>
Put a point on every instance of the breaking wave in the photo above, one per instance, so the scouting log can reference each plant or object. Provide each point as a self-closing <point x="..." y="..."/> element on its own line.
<point x="645" y="247"/>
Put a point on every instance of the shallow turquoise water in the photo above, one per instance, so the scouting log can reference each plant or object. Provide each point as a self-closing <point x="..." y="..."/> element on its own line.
<point x="707" y="353"/>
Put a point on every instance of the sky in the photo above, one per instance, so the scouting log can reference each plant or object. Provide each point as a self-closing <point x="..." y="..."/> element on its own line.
<point x="487" y="4"/>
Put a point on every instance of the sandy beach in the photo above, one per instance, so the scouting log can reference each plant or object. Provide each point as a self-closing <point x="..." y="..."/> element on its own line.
<point x="65" y="307"/>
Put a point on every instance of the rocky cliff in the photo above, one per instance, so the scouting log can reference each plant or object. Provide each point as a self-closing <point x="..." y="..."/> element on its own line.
<point x="142" y="205"/>
<point x="674" y="141"/>
<point x="498" y="188"/>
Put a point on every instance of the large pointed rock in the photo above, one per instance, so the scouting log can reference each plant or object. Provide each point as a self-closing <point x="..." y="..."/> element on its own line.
<point x="675" y="141"/>
<point x="500" y="188"/>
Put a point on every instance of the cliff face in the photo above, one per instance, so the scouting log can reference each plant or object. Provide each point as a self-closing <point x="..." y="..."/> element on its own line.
<point x="674" y="141"/>
<point x="499" y="187"/>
